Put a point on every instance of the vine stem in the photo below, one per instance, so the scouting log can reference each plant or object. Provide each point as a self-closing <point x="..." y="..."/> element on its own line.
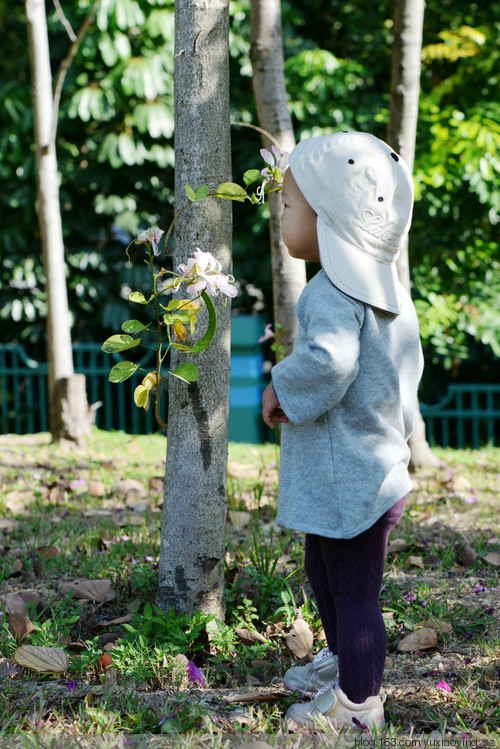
<point x="159" y="357"/>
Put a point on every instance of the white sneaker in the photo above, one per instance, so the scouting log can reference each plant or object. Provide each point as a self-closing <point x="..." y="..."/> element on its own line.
<point x="331" y="706"/>
<point x="322" y="672"/>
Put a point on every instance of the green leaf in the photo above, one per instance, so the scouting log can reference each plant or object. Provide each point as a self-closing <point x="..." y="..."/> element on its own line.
<point x="202" y="192"/>
<point x="186" y="371"/>
<point x="181" y="347"/>
<point x="119" y="342"/>
<point x="134" y="326"/>
<point x="212" y="324"/>
<point x="251" y="175"/>
<point x="122" y="371"/>
<point x="231" y="191"/>
<point x="190" y="192"/>
<point x="141" y="396"/>
<point x="139" y="298"/>
<point x="196" y="195"/>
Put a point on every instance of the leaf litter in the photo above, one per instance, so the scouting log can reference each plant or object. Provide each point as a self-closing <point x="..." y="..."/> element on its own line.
<point x="462" y="652"/>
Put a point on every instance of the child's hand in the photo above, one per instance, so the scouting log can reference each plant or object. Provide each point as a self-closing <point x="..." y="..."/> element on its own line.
<point x="272" y="412"/>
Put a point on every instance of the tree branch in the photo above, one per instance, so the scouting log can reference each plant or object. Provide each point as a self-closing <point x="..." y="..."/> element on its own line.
<point x="65" y="65"/>
<point x="64" y="20"/>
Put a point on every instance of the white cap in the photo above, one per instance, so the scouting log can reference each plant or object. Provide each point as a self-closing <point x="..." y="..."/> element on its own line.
<point x="362" y="192"/>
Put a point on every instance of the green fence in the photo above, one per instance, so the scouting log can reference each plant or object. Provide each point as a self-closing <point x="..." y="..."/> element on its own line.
<point x="23" y="387"/>
<point x="468" y="416"/>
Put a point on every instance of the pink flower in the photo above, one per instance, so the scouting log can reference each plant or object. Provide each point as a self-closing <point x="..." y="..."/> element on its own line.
<point x="203" y="272"/>
<point x="196" y="675"/>
<point x="268" y="333"/>
<point x="151" y="236"/>
<point x="444" y="685"/>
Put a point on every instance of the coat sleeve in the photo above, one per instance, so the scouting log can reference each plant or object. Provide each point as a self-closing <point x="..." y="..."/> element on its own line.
<point x="324" y="362"/>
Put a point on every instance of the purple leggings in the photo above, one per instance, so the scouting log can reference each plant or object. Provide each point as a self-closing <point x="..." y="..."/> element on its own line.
<point x="346" y="577"/>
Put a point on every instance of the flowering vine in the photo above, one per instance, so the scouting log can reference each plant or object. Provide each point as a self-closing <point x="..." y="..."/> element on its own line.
<point x="201" y="278"/>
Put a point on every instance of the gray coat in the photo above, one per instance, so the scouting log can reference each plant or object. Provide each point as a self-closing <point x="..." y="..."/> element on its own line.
<point x="349" y="389"/>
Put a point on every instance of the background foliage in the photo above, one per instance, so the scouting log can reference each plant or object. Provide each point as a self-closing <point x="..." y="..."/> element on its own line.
<point x="115" y="152"/>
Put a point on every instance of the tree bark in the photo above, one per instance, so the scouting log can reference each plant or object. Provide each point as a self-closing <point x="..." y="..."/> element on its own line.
<point x="67" y="403"/>
<point x="401" y="135"/>
<point x="194" y="510"/>
<point x="266" y="54"/>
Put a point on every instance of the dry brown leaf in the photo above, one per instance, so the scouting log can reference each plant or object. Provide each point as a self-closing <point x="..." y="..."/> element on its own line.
<point x="97" y="489"/>
<point x="8" y="525"/>
<point x="96" y="590"/>
<point x="42" y="659"/>
<point x="120" y="620"/>
<point x="399" y="544"/>
<point x="7" y="667"/>
<point x="20" y="626"/>
<point x="415" y="561"/>
<point x="300" y="639"/>
<point x="14" y="604"/>
<point x="467" y="556"/>
<point x="248" y="636"/>
<point x="16" y="500"/>
<point x="441" y="627"/>
<point x="156" y="484"/>
<point x="493" y="557"/>
<point x="47" y="552"/>
<point x="242" y="470"/>
<point x="17" y="567"/>
<point x="422" y="639"/>
<point x="239" y="518"/>
<point x="126" y="486"/>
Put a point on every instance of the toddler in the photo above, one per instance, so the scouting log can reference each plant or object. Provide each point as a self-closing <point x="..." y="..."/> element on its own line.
<point x="346" y="398"/>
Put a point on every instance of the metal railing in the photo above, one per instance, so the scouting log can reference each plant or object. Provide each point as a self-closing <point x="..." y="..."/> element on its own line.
<point x="469" y="415"/>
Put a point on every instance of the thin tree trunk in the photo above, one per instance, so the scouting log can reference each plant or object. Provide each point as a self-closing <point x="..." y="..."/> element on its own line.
<point x="68" y="411"/>
<point x="401" y="135"/>
<point x="194" y="510"/>
<point x="289" y="274"/>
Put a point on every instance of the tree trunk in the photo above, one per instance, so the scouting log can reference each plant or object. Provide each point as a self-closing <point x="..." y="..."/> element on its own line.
<point x="194" y="510"/>
<point x="401" y="135"/>
<point x="289" y="274"/>
<point x="68" y="411"/>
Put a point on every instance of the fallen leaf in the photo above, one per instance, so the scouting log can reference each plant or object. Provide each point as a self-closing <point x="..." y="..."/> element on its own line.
<point x="399" y="544"/>
<point x="8" y="525"/>
<point x="422" y="639"/>
<point x="239" y="518"/>
<point x="17" y="567"/>
<point x="467" y="556"/>
<point x="120" y="620"/>
<point x="415" y="561"/>
<point x="440" y="626"/>
<point x="7" y="667"/>
<point x="47" y="552"/>
<point x="300" y="639"/>
<point x="126" y="486"/>
<point x="105" y="662"/>
<point x="42" y="659"/>
<point x="242" y="470"/>
<point x="14" y="604"/>
<point x="156" y="484"/>
<point x="493" y="557"/>
<point x="20" y="626"/>
<point x="16" y="500"/>
<point x="96" y="590"/>
<point x="97" y="489"/>
<point x="253" y="681"/>
<point x="248" y="637"/>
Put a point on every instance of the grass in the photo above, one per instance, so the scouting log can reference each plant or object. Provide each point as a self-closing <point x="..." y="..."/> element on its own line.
<point x="65" y="513"/>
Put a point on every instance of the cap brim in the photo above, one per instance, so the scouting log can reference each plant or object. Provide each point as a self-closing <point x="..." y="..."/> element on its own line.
<point x="356" y="273"/>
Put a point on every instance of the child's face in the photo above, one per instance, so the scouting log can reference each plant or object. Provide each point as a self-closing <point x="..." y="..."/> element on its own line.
<point x="298" y="222"/>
